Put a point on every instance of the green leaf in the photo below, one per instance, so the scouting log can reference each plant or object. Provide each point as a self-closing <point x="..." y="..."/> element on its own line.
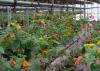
<point x="1" y="50"/>
<point x="19" y="62"/>
<point x="7" y="66"/>
<point x="37" y="65"/>
<point x="89" y="57"/>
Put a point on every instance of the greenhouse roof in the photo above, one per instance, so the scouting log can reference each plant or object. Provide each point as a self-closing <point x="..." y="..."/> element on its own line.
<point x="97" y="1"/>
<point x="50" y="1"/>
<point x="65" y="1"/>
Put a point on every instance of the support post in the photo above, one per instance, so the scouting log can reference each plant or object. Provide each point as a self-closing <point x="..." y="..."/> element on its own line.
<point x="97" y="11"/>
<point x="85" y="8"/>
<point x="9" y="14"/>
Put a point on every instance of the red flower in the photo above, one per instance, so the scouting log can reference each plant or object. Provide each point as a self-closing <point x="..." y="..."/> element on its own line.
<point x="42" y="62"/>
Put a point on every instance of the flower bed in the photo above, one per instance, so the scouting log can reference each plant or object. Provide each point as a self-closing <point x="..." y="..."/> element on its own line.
<point x="38" y="41"/>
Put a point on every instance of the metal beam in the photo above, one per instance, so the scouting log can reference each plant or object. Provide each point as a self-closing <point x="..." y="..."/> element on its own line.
<point x="27" y="3"/>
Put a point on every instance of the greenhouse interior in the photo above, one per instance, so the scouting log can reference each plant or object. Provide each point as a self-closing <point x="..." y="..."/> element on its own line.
<point x="49" y="35"/>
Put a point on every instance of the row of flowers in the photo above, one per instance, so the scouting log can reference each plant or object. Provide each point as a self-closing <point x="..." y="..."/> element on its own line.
<point x="40" y="40"/>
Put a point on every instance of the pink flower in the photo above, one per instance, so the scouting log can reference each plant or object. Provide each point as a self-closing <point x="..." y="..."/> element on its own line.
<point x="77" y="63"/>
<point x="46" y="27"/>
<point x="85" y="68"/>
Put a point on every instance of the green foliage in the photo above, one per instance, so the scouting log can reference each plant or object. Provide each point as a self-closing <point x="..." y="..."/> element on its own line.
<point x="1" y="50"/>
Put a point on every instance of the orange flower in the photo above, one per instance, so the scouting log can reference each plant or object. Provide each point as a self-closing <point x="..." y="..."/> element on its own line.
<point x="25" y="64"/>
<point x="13" y="63"/>
<point x="45" y="52"/>
<point x="56" y="37"/>
<point x="80" y="58"/>
<point x="10" y="35"/>
<point x="68" y="26"/>
<point x="98" y="31"/>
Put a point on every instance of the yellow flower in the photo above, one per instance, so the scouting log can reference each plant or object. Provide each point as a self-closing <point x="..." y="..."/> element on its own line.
<point x="12" y="35"/>
<point x="39" y="14"/>
<point x="98" y="42"/>
<point x="98" y="50"/>
<point x="74" y="59"/>
<point x="18" y="27"/>
<point x="33" y="21"/>
<point x="89" y="45"/>
<point x="69" y="33"/>
<point x="12" y="24"/>
<point x="70" y="17"/>
<point x="8" y="25"/>
<point x="43" y="21"/>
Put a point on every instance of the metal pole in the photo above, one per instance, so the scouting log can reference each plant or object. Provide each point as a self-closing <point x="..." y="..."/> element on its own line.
<point x="10" y="14"/>
<point x="72" y="9"/>
<point x="75" y="10"/>
<point x="2" y="14"/>
<point x="80" y="10"/>
<point x="87" y="10"/>
<point x="91" y="10"/>
<point x="8" y="11"/>
<point x="67" y="8"/>
<point x="84" y="8"/>
<point x="97" y="11"/>
<point x="52" y="6"/>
